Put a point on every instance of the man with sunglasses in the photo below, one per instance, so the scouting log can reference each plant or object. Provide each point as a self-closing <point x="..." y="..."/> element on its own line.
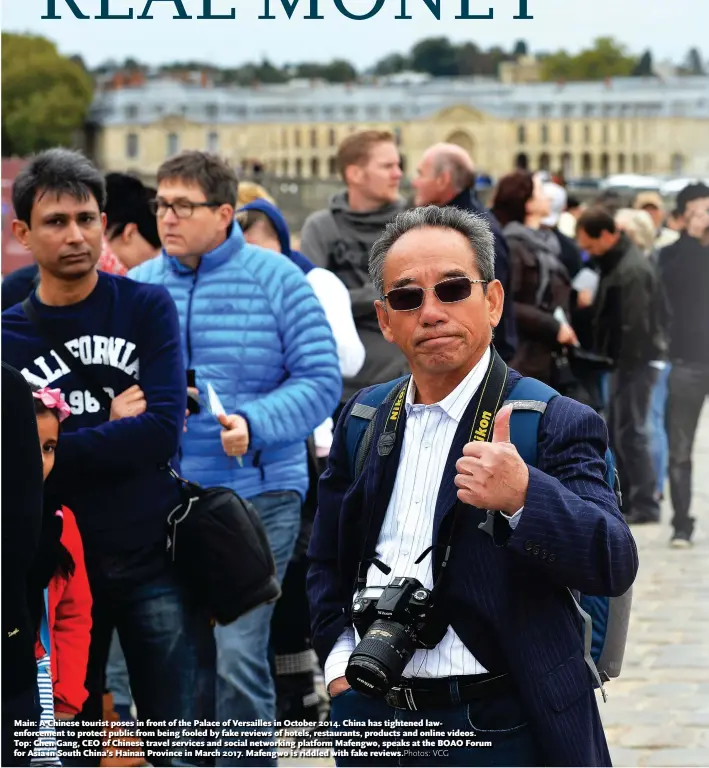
<point x="253" y="329"/>
<point x="506" y="664"/>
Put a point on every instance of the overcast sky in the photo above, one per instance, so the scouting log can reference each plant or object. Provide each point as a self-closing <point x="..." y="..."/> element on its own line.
<point x="668" y="27"/>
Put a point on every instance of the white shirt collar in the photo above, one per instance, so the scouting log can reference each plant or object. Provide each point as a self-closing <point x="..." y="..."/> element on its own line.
<point x="455" y="403"/>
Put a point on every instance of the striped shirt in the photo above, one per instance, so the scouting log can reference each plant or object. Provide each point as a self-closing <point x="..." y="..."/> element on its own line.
<point x="407" y="529"/>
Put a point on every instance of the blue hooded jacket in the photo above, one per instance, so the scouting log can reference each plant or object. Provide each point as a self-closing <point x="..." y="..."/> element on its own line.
<point x="281" y="228"/>
<point x="252" y="328"/>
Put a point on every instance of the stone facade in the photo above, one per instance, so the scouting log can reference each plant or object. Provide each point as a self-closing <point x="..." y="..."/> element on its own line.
<point x="589" y="129"/>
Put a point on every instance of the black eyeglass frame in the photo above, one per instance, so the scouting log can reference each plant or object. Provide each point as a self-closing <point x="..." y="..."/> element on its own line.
<point x="416" y="288"/>
<point x="155" y="205"/>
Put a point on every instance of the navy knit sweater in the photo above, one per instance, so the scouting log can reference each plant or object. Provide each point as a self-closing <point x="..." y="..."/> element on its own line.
<point x="108" y="472"/>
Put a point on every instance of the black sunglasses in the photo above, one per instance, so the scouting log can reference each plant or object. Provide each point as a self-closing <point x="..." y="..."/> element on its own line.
<point x="447" y="291"/>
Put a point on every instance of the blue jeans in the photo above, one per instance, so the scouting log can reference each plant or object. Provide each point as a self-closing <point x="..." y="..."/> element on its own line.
<point x="497" y="721"/>
<point x="656" y="428"/>
<point x="245" y="686"/>
<point x="117" y="680"/>
<point x="166" y="637"/>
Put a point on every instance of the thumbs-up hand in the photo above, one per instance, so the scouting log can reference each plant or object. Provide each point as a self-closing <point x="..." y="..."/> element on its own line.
<point x="493" y="475"/>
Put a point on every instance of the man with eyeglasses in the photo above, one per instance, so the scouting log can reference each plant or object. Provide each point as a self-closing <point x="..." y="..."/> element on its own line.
<point x="504" y="670"/>
<point x="253" y="329"/>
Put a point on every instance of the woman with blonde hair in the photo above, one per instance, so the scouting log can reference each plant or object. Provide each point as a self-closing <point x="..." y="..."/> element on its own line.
<point x="250" y="191"/>
<point x="639" y="227"/>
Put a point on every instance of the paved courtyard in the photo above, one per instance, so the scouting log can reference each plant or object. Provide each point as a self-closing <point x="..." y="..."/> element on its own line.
<point x="657" y="713"/>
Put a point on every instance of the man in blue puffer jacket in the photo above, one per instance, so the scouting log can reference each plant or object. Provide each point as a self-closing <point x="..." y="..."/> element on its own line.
<point x="253" y="329"/>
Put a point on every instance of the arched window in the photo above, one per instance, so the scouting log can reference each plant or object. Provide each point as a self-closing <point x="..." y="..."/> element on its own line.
<point x="173" y="144"/>
<point x="315" y="167"/>
<point x="567" y="165"/>
<point x="522" y="161"/>
<point x="587" y="163"/>
<point x="605" y="164"/>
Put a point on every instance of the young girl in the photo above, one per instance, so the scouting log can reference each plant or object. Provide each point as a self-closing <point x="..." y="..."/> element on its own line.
<point x="60" y="599"/>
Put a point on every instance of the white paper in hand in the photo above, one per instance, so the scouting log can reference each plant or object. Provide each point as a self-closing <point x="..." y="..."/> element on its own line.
<point x="586" y="280"/>
<point x="215" y="404"/>
<point x="217" y="409"/>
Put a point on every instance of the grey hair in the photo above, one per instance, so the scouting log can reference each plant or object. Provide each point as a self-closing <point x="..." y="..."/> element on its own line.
<point x="473" y="227"/>
<point x="462" y="177"/>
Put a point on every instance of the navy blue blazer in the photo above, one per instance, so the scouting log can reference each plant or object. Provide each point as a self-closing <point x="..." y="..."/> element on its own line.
<point x="508" y="602"/>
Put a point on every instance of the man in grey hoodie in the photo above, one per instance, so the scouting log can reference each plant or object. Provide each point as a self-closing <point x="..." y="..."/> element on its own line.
<point x="340" y="238"/>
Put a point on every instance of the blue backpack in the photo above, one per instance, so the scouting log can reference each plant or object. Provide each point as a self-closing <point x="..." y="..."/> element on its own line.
<point x="605" y="619"/>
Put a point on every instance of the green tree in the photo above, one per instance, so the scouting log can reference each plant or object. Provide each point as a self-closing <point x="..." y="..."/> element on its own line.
<point x="391" y="64"/>
<point x="468" y="58"/>
<point x="45" y="96"/>
<point x="520" y="49"/>
<point x="693" y="63"/>
<point x="268" y="73"/>
<point x="644" y="67"/>
<point x="339" y="71"/>
<point x="607" y="58"/>
<point x="435" y="55"/>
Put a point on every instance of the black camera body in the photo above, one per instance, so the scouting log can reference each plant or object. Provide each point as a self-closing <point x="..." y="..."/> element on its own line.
<point x="393" y="621"/>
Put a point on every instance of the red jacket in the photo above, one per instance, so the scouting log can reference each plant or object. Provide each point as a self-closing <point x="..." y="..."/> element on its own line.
<point x="69" y="625"/>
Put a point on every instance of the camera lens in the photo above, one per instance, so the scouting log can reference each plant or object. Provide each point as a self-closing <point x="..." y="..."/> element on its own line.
<point x="380" y="658"/>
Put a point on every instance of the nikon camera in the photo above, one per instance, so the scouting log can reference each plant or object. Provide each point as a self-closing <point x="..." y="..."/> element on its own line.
<point x="392" y="622"/>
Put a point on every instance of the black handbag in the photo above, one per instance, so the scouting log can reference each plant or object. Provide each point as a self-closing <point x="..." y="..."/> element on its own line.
<point x="215" y="539"/>
<point x="218" y="544"/>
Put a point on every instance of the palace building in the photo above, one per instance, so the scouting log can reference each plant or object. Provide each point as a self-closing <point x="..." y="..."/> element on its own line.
<point x="585" y="129"/>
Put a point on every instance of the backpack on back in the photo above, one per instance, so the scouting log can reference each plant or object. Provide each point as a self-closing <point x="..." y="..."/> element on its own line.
<point x="605" y="619"/>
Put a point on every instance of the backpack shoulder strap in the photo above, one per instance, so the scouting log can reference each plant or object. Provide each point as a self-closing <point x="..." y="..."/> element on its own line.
<point x="529" y="399"/>
<point x="361" y="419"/>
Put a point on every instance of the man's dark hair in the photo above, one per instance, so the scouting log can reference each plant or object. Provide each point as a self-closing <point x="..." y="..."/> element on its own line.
<point x="597" y="220"/>
<point x="610" y="200"/>
<point x="572" y="202"/>
<point x="128" y="202"/>
<point x="56" y="172"/>
<point x="690" y="193"/>
<point x="213" y="175"/>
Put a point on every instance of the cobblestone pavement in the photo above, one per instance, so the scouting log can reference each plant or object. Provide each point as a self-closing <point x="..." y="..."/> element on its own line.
<point x="657" y="713"/>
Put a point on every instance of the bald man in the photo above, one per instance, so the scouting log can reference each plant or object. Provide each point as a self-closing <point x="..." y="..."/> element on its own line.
<point x="446" y="176"/>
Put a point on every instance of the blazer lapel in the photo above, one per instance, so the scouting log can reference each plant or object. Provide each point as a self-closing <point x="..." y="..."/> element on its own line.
<point x="448" y="491"/>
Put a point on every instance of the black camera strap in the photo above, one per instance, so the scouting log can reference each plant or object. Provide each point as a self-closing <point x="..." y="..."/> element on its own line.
<point x="486" y="401"/>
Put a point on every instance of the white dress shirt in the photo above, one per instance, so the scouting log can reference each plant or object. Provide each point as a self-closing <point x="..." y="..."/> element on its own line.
<point x="407" y="529"/>
<point x="335" y="300"/>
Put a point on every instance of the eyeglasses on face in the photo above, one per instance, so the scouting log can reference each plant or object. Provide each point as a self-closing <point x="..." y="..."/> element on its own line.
<point x="447" y="291"/>
<point x="183" y="209"/>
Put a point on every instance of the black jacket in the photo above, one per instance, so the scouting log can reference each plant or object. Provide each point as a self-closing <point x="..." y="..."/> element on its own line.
<point x="684" y="272"/>
<point x="628" y="316"/>
<point x="506" y="332"/>
<point x="22" y="492"/>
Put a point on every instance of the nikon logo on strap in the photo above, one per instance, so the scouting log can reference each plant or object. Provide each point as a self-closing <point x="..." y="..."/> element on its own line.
<point x="396" y="410"/>
<point x="483" y="427"/>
